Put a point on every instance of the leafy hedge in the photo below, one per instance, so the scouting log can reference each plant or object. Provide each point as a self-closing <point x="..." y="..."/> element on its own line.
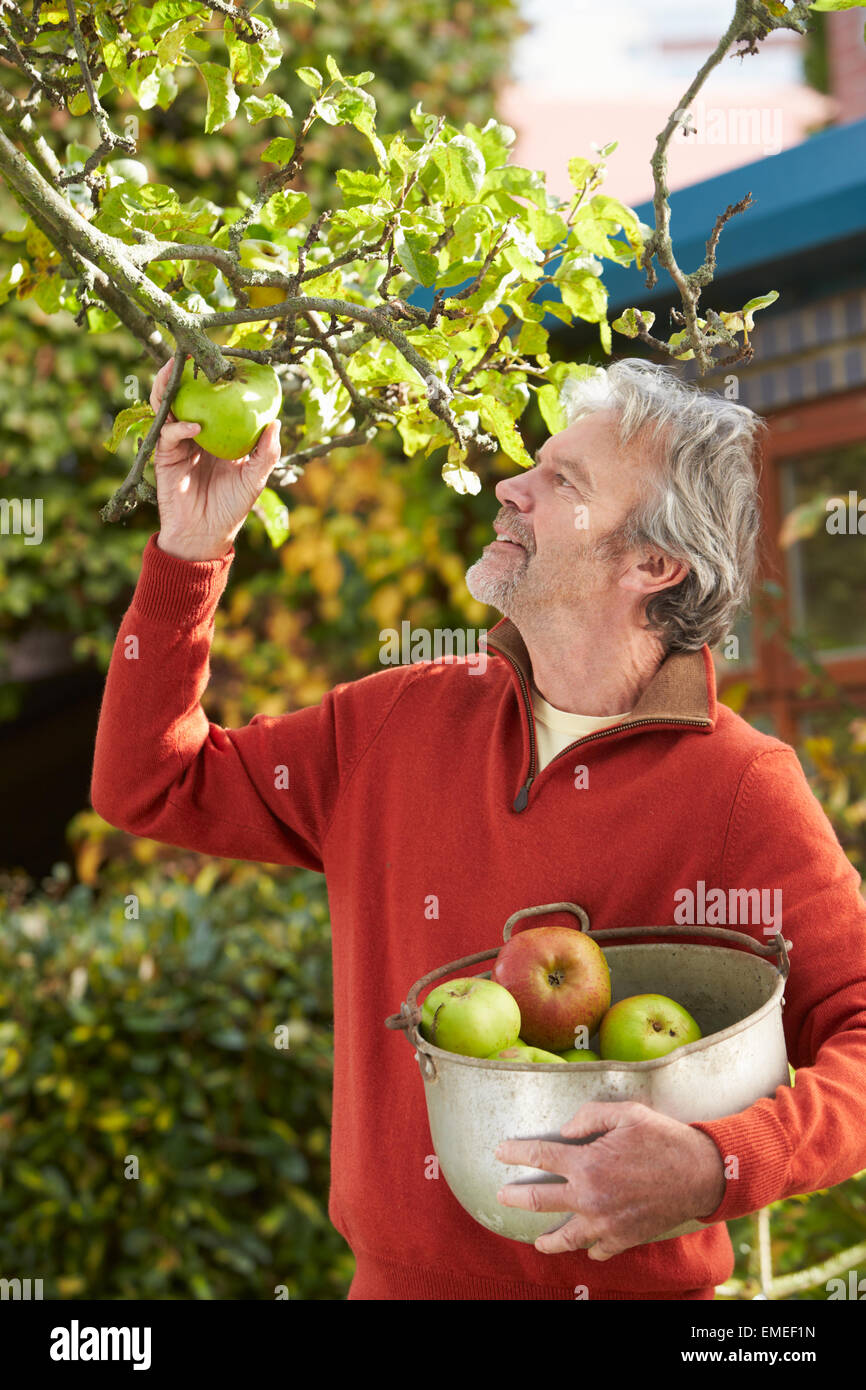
<point x="155" y="1038"/>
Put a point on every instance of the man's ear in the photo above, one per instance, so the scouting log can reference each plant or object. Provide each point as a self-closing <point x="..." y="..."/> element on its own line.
<point x="654" y="573"/>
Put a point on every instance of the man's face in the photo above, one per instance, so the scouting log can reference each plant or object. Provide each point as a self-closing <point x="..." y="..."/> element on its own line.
<point x="581" y="488"/>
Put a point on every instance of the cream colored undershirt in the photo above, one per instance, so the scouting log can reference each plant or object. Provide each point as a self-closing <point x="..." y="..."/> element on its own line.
<point x="557" y="728"/>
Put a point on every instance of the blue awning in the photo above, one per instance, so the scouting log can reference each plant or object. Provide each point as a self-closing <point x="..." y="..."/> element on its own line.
<point x="810" y="195"/>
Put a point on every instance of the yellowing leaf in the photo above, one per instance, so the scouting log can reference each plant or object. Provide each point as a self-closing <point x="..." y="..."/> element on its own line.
<point x="461" y="479"/>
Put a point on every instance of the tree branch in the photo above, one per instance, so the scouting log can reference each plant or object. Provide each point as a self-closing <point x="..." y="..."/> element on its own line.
<point x="120" y="502"/>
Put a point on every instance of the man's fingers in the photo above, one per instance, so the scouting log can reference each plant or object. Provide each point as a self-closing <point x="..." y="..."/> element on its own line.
<point x="537" y="1196"/>
<point x="572" y="1236"/>
<point x="174" y="433"/>
<point x="596" y="1117"/>
<point x="533" y="1153"/>
<point x="268" y="443"/>
<point x="160" y="382"/>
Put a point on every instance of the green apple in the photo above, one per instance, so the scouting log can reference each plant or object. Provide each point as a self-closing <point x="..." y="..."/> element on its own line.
<point x="580" y="1054"/>
<point x="257" y="254"/>
<point x="645" y="1026"/>
<point x="518" y="1043"/>
<point x="232" y="413"/>
<point x="471" y="1016"/>
<point x="525" y="1054"/>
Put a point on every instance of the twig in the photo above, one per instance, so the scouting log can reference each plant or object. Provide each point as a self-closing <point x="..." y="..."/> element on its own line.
<point x="119" y="504"/>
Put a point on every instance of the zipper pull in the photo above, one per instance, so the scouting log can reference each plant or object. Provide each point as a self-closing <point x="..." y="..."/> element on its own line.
<point x="523" y="795"/>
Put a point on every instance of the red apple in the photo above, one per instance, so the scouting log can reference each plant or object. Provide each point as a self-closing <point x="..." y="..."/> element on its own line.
<point x="560" y="980"/>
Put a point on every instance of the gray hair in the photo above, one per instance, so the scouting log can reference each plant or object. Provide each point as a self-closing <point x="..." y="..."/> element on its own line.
<point x="701" y="506"/>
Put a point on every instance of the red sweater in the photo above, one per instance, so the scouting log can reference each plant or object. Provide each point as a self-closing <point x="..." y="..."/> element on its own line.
<point x="417" y="780"/>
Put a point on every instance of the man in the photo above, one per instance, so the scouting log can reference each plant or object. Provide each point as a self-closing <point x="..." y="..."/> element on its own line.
<point x="585" y="761"/>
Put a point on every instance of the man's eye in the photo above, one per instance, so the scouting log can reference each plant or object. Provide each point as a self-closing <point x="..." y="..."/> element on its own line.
<point x="561" y="478"/>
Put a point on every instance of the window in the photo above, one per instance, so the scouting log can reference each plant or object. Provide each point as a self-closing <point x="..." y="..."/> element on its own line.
<point x="826" y="571"/>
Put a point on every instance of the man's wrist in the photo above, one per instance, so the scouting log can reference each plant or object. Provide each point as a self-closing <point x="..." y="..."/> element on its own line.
<point x="713" y="1190"/>
<point x="216" y="550"/>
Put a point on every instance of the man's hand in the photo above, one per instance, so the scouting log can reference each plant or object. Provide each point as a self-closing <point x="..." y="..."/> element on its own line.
<point x="203" y="500"/>
<point x="643" y="1175"/>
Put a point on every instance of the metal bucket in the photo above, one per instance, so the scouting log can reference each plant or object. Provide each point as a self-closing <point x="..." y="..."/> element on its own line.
<point x="474" y="1104"/>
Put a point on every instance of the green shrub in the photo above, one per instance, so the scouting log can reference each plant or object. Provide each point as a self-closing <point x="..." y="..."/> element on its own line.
<point x="155" y="1040"/>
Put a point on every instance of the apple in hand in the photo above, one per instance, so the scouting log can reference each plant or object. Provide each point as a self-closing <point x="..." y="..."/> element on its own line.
<point x="524" y="1054"/>
<point x="232" y="414"/>
<point x="580" y="1054"/>
<point x="471" y="1016"/>
<point x="560" y="980"/>
<point x="645" y="1026"/>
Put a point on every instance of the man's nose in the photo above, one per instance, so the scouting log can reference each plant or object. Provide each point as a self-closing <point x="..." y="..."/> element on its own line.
<point x="516" y="491"/>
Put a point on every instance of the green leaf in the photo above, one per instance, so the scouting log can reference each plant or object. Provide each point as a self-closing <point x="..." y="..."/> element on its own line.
<point x="311" y="77"/>
<point x="548" y="228"/>
<point x="496" y="417"/>
<point x="333" y="71"/>
<point x="170" y="47"/>
<point x="285" y="209"/>
<point x="360" y="187"/>
<point x="262" y="108"/>
<point x="131" y="418"/>
<point x="828" y="5"/>
<point x="531" y="340"/>
<point x="526" y="183"/>
<point x="272" y="511"/>
<point x="553" y="396"/>
<point x="353" y="106"/>
<point x="762" y="300"/>
<point x="494" y="141"/>
<point x="49" y="293"/>
<point x="550" y="406"/>
<point x="580" y="171"/>
<point x="412" y="250"/>
<point x="582" y="291"/>
<point x="560" y="311"/>
<point x="251" y="62"/>
<point x="627" y="322"/>
<point x="222" y="99"/>
<point x="420" y="429"/>
<point x="463" y="168"/>
<point x="166" y="12"/>
<point x="279" y="151"/>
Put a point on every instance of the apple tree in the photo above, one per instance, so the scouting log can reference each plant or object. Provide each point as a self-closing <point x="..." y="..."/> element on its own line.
<point x="438" y="206"/>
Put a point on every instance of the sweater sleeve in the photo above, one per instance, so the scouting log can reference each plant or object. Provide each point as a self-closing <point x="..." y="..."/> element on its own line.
<point x="812" y="1135"/>
<point x="265" y="792"/>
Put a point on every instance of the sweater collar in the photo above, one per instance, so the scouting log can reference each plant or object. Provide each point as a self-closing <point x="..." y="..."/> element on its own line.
<point x="683" y="687"/>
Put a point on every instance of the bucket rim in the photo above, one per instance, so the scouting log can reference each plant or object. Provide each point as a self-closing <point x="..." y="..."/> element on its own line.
<point x="751" y="1020"/>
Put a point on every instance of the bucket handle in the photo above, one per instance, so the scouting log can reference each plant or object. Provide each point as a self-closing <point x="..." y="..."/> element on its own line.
<point x="776" y="946"/>
<point x="409" y="1017"/>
